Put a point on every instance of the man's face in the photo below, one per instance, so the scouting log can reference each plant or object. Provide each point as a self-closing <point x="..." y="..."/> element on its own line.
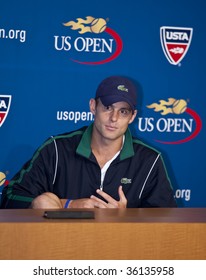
<point x="111" y="122"/>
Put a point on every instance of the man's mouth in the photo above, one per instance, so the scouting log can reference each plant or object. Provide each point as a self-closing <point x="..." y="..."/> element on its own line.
<point x="109" y="127"/>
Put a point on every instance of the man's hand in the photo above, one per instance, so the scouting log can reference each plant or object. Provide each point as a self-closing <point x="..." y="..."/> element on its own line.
<point x="82" y="203"/>
<point x="111" y="202"/>
<point x="49" y="200"/>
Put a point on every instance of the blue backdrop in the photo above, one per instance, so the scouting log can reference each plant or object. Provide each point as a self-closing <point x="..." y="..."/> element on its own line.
<point x="53" y="54"/>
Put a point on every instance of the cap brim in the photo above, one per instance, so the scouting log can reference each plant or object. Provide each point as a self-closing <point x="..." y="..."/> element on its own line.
<point x="109" y="100"/>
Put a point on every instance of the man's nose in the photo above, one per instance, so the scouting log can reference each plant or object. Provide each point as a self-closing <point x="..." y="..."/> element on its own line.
<point x="114" y="115"/>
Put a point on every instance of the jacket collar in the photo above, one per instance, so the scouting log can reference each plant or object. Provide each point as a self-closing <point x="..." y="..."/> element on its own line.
<point x="84" y="147"/>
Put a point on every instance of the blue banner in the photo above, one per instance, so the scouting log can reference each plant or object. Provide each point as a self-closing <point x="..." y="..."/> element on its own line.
<point x="53" y="54"/>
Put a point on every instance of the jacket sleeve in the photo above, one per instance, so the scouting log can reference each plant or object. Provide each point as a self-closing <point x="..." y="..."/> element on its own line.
<point x="34" y="178"/>
<point x="158" y="191"/>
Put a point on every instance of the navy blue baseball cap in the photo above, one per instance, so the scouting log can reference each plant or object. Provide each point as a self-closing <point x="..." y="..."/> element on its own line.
<point x="116" y="89"/>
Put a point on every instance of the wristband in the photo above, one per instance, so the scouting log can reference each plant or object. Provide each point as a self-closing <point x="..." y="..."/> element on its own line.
<point x="67" y="203"/>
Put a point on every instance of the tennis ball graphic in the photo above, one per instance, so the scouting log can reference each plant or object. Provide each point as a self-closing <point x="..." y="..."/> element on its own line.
<point x="2" y="178"/>
<point x="179" y="106"/>
<point x="98" y="25"/>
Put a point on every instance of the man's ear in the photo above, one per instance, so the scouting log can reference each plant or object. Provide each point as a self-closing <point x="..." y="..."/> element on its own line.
<point x="133" y="116"/>
<point x="92" y="106"/>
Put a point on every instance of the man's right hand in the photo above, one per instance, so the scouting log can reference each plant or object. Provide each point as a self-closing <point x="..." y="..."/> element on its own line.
<point x="49" y="200"/>
<point x="82" y="203"/>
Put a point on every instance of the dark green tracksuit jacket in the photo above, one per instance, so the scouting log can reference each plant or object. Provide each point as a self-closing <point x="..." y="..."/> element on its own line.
<point x="65" y="165"/>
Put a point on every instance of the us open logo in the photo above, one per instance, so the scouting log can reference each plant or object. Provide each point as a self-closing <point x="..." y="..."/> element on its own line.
<point x="89" y="41"/>
<point x="173" y="122"/>
<point x="5" y="101"/>
<point x="175" y="42"/>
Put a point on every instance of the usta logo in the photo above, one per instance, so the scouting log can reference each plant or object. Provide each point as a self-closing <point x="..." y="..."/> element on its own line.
<point x="5" y="101"/>
<point x="175" y="42"/>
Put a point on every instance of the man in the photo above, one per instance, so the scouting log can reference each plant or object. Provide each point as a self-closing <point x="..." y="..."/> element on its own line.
<point x="101" y="165"/>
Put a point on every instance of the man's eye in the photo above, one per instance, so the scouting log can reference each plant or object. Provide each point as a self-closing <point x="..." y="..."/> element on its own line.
<point x="108" y="108"/>
<point x="125" y="112"/>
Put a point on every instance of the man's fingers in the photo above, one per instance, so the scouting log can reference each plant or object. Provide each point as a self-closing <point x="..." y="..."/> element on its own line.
<point x="107" y="197"/>
<point x="111" y="202"/>
<point x="98" y="203"/>
<point x="122" y="197"/>
<point x="96" y="199"/>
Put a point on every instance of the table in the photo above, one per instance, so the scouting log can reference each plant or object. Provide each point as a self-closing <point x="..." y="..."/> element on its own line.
<point x="116" y="234"/>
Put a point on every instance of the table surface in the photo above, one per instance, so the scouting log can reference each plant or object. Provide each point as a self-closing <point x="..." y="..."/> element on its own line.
<point x="155" y="233"/>
<point x="139" y="215"/>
